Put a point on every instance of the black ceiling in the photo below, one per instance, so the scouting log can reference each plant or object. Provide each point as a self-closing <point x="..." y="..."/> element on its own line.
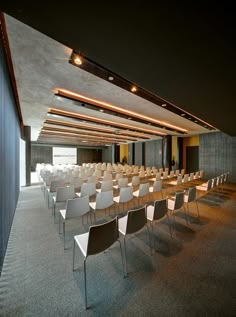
<point x="184" y="53"/>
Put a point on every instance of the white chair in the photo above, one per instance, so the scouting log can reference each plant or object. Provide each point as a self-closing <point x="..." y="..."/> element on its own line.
<point x="121" y="183"/>
<point x="142" y="191"/>
<point x="157" y="178"/>
<point x="107" y="177"/>
<point x="104" y="200"/>
<point x="190" y="196"/>
<point x="205" y="187"/>
<point x="105" y="186"/>
<point x="98" y="239"/>
<point x="156" y="188"/>
<point x="76" y="207"/>
<point x="135" y="181"/>
<point x="126" y="195"/>
<point x="134" y="221"/>
<point x="176" y="203"/>
<point x="62" y="194"/>
<point x="156" y="213"/>
<point x="54" y="184"/>
<point x="87" y="189"/>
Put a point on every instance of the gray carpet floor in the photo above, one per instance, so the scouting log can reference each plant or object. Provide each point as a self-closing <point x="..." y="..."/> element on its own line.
<point x="193" y="274"/>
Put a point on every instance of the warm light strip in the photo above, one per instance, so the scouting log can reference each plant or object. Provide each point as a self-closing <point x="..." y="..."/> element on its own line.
<point x="74" y="135"/>
<point x="90" y="133"/>
<point x="96" y="128"/>
<point x="64" y="141"/>
<point x="70" y="94"/>
<point x="76" y="115"/>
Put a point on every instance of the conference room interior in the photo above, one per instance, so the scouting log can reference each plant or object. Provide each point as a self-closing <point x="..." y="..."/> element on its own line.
<point x="61" y="115"/>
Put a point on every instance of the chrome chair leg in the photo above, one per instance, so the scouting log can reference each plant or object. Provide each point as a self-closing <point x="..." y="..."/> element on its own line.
<point x="85" y="284"/>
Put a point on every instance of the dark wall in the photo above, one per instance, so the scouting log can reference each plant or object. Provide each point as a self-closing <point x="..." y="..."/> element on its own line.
<point x="107" y="154"/>
<point x="192" y="159"/>
<point x="153" y="153"/>
<point x="88" y="156"/>
<point x="9" y="155"/>
<point x="131" y="153"/>
<point x="40" y="154"/>
<point x="43" y="154"/>
<point x="138" y="156"/>
<point x="217" y="155"/>
<point x="166" y="151"/>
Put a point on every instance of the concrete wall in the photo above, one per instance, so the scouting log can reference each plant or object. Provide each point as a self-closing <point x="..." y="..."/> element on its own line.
<point x="9" y="155"/>
<point x="217" y="154"/>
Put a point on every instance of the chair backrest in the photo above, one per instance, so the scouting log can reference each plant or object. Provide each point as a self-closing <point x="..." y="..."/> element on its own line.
<point x="182" y="171"/>
<point x="160" y="208"/>
<point x="104" y="199"/>
<point x="77" y="182"/>
<point x="119" y="175"/>
<point x="214" y="182"/>
<point x="201" y="174"/>
<point x="179" y="179"/>
<point x="77" y="207"/>
<point x="179" y="200"/>
<point x="165" y="175"/>
<point x="158" y="176"/>
<point x="102" y="236"/>
<point x="157" y="186"/>
<point x="185" y="180"/>
<point x="191" y="176"/>
<point x="176" y="172"/>
<point x="209" y="184"/>
<point x="107" y="177"/>
<point x="143" y="189"/>
<point x="135" y="180"/>
<point x="55" y="184"/>
<point x="88" y="189"/>
<point x="196" y="176"/>
<point x="192" y="194"/>
<point x="106" y="185"/>
<point x="64" y="193"/>
<point x="92" y="179"/>
<point x="126" y="194"/>
<point x="123" y="182"/>
<point x="172" y="174"/>
<point x="136" y="219"/>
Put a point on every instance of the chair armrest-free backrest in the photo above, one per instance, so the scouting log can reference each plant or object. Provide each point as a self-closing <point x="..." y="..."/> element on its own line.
<point x="160" y="209"/>
<point x="101" y="237"/>
<point x="136" y="219"/>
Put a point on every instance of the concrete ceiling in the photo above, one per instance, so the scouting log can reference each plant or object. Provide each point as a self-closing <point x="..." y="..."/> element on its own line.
<point x="41" y="65"/>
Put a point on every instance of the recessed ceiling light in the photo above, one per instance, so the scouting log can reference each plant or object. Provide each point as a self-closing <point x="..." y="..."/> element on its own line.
<point x="182" y="114"/>
<point x="129" y="118"/>
<point x="101" y="110"/>
<point x="78" y="60"/>
<point x="190" y="118"/>
<point x="111" y="78"/>
<point x="163" y="105"/>
<point x="84" y="141"/>
<point x="195" y="121"/>
<point x="134" y="89"/>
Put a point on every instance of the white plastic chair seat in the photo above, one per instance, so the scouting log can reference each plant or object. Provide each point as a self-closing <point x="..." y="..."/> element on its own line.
<point x="93" y="205"/>
<point x="171" y="204"/>
<point x="150" y="213"/>
<point x="63" y="213"/>
<point x="82" y="241"/>
<point x="122" y="223"/>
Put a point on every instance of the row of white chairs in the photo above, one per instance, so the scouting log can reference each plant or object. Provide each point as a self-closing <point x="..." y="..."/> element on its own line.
<point x="101" y="237"/>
